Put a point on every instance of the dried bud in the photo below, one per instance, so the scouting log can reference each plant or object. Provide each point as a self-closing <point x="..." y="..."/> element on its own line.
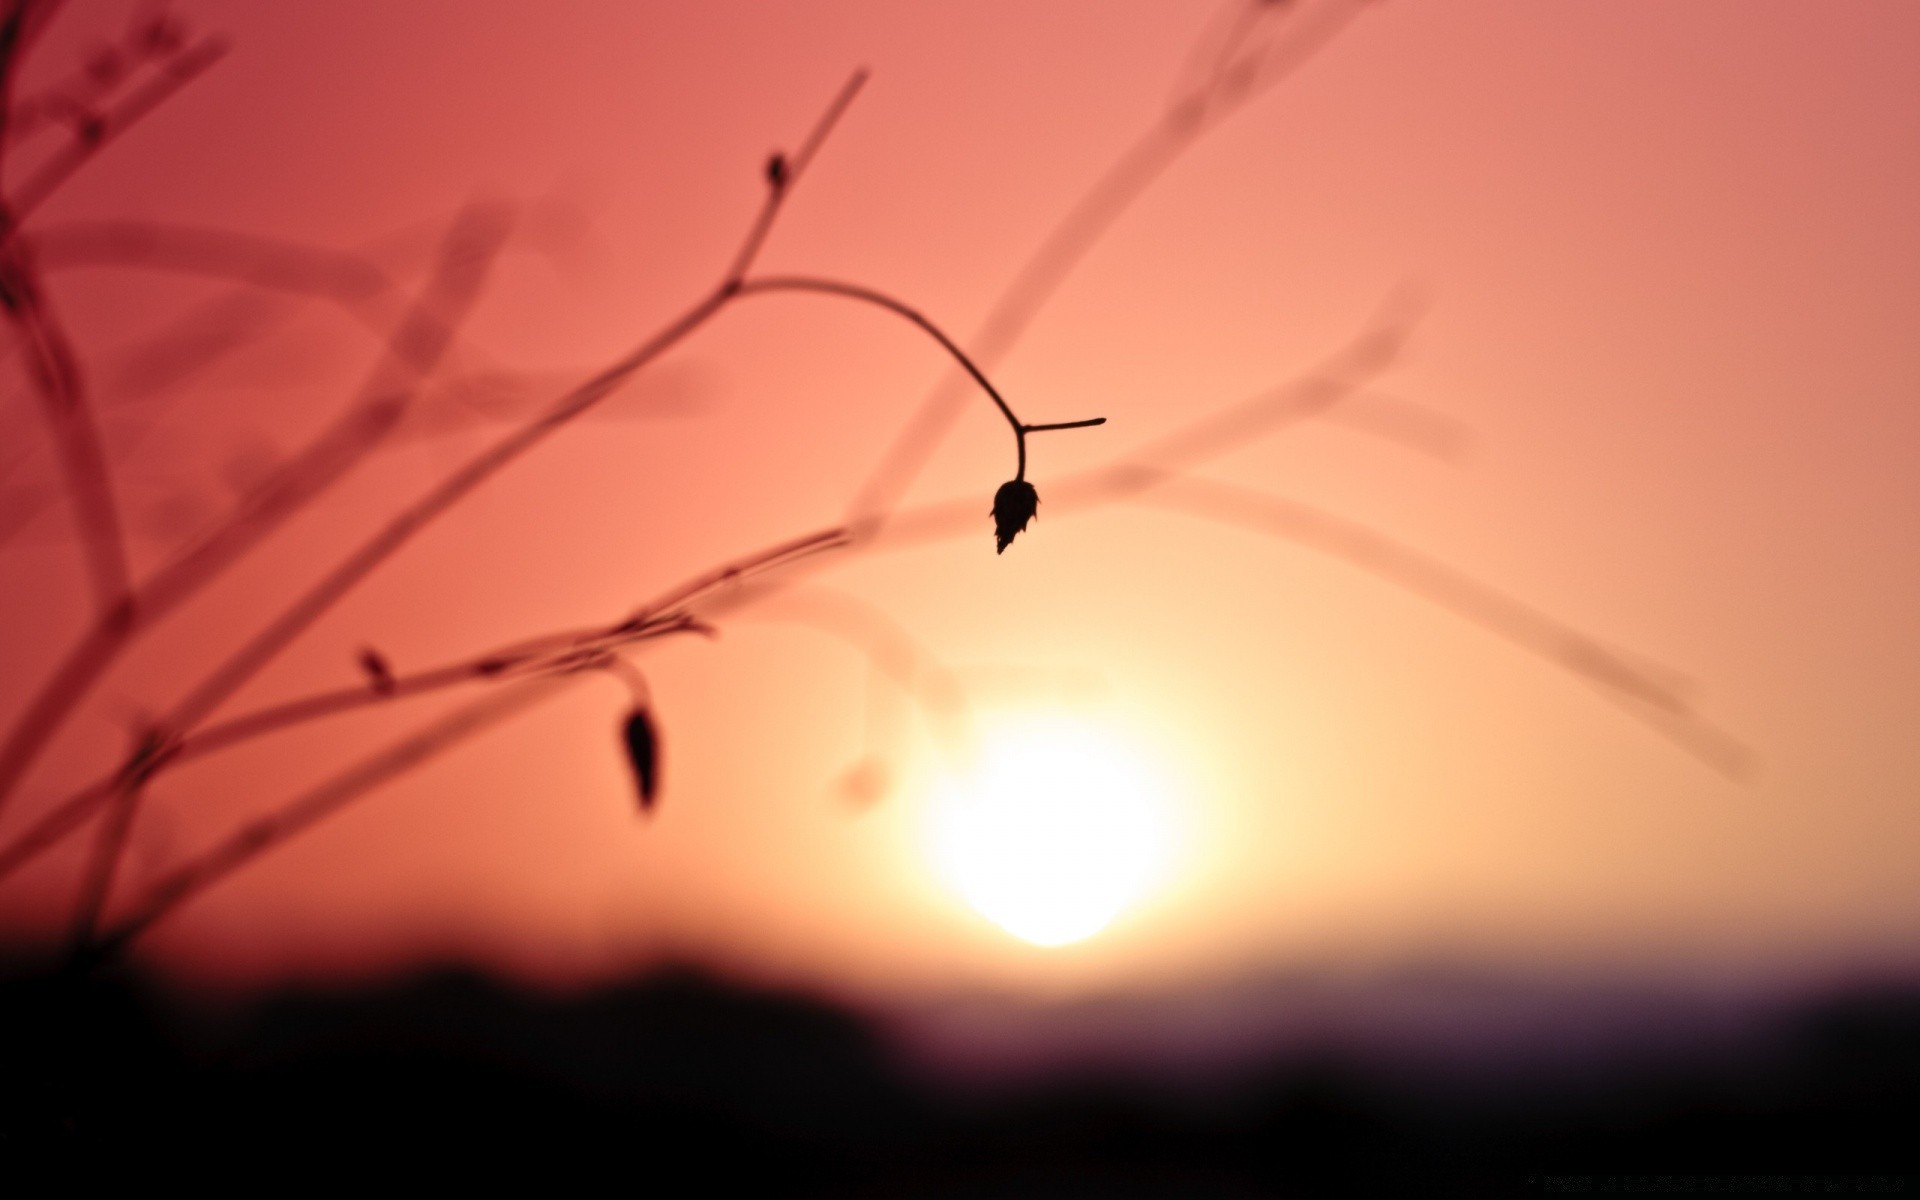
<point x="1013" y="506"/>
<point x="643" y="755"/>
<point x="379" y="674"/>
<point x="777" y="171"/>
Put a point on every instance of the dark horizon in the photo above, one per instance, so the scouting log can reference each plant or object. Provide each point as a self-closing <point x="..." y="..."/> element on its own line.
<point x="679" y="1070"/>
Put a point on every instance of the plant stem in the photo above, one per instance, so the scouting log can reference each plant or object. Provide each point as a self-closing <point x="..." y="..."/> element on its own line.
<point x="867" y="295"/>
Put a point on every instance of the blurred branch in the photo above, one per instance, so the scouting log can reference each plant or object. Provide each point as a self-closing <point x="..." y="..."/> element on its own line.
<point x="57" y="379"/>
<point x="891" y="650"/>
<point x="1261" y="44"/>
<point x="221" y="683"/>
<point x="1652" y="701"/>
<point x="415" y="347"/>
<point x="467" y="254"/>
<point x="258" y="836"/>
<point x="176" y="73"/>
<point x="262" y="262"/>
<point x="20" y="22"/>
<point x="753" y="578"/>
<point x="1234" y="83"/>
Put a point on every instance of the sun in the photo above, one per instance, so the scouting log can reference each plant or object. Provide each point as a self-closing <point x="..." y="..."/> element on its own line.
<point x="1059" y="827"/>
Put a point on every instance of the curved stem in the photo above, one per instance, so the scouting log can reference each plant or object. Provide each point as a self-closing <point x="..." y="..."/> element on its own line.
<point x="867" y="295"/>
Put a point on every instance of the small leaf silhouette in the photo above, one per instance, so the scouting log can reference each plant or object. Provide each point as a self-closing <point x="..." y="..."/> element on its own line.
<point x="1013" y="506"/>
<point x="379" y="674"/>
<point x="643" y="755"/>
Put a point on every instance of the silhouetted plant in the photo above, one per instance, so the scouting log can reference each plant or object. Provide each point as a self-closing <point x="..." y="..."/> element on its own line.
<point x="1253" y="47"/>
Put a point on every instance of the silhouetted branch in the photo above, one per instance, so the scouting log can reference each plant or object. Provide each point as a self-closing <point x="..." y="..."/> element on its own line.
<point x="833" y="287"/>
<point x="1084" y="224"/>
<point x="781" y="179"/>
<point x="1243" y="64"/>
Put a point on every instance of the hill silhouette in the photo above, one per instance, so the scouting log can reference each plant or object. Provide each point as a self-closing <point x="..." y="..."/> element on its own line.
<point x="680" y="1076"/>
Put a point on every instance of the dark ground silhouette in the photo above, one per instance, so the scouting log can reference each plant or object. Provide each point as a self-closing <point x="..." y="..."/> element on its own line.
<point x="678" y="1083"/>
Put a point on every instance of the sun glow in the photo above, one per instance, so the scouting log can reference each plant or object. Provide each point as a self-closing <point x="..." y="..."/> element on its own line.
<point x="1058" y="828"/>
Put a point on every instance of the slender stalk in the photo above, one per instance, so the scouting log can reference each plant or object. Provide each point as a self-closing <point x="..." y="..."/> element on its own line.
<point x="791" y="171"/>
<point x="866" y="295"/>
<point x="1086" y="221"/>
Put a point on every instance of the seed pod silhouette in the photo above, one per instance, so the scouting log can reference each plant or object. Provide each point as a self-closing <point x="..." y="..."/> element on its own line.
<point x="1013" y="506"/>
<point x="643" y="755"/>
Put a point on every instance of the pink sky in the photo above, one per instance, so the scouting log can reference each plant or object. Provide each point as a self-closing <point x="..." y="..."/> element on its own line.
<point x="1672" y="274"/>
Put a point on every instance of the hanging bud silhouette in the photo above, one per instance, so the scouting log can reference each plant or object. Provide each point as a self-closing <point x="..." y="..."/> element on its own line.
<point x="1013" y="506"/>
<point x="643" y="755"/>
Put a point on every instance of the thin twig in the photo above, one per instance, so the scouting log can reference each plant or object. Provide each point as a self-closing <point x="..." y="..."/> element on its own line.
<point x="790" y="172"/>
<point x="834" y="287"/>
<point x="1084" y="224"/>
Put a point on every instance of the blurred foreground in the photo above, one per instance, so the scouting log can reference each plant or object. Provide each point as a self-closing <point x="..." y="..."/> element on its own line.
<point x="680" y="1076"/>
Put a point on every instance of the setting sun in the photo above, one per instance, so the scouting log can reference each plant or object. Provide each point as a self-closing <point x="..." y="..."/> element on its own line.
<point x="1059" y="827"/>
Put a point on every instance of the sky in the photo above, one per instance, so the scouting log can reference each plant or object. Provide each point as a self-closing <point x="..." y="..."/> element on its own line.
<point x="1658" y="278"/>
